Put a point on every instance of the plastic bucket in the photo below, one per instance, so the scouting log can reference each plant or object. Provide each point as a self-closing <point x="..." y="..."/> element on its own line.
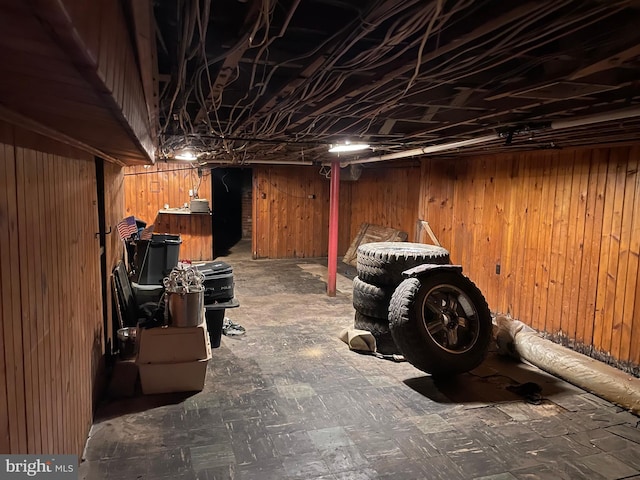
<point x="127" y="342"/>
<point x="186" y="309"/>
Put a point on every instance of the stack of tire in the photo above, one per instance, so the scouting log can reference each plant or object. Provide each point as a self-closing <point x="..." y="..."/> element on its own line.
<point x="379" y="273"/>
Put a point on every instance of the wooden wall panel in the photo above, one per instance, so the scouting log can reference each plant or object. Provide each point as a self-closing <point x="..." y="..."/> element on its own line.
<point x="147" y="190"/>
<point x="71" y="67"/>
<point x="627" y="277"/>
<point x="51" y="315"/>
<point x="107" y="43"/>
<point x="564" y="227"/>
<point x="13" y="428"/>
<point x="287" y="223"/>
<point x="383" y="196"/>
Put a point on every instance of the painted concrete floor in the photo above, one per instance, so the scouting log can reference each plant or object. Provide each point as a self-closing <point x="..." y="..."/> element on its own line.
<point x="288" y="400"/>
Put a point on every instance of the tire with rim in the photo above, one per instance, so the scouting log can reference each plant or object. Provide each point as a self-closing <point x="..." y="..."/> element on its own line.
<point x="371" y="300"/>
<point x="380" y="330"/>
<point x="382" y="263"/>
<point x="441" y="322"/>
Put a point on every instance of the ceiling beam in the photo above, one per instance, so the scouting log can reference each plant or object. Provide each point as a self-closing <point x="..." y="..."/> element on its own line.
<point x="612" y="61"/>
<point x="387" y="126"/>
<point x="225" y="74"/>
<point x="230" y="64"/>
<point x="604" y="61"/>
<point x="485" y="29"/>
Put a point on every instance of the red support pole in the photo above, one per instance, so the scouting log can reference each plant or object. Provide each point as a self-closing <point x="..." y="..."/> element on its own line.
<point x="334" y="204"/>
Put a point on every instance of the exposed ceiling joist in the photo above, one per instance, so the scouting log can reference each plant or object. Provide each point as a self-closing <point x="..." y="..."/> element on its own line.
<point x="400" y="74"/>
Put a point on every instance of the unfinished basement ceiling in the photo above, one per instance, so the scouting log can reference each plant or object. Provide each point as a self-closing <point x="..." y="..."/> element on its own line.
<point x="281" y="80"/>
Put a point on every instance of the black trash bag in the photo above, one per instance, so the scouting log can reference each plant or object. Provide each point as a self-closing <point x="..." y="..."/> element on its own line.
<point x="151" y="314"/>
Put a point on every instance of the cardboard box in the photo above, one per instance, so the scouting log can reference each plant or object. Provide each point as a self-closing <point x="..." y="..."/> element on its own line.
<point x="173" y="344"/>
<point x="172" y="377"/>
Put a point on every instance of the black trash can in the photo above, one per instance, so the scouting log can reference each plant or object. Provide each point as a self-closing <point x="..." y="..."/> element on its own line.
<point x="155" y="258"/>
<point x="218" y="281"/>
<point x="215" y="321"/>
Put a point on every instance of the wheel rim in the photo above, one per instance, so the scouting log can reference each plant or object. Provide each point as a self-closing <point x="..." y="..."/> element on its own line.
<point x="450" y="319"/>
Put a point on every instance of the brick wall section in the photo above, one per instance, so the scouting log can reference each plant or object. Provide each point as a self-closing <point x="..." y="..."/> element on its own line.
<point x="247" y="223"/>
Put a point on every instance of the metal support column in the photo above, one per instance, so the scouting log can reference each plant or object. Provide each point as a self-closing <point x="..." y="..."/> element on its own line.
<point x="334" y="204"/>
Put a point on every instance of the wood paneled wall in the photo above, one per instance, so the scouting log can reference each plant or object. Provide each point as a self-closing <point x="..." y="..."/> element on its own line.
<point x="103" y="35"/>
<point x="148" y="189"/>
<point x="291" y="212"/>
<point x="50" y="308"/>
<point x="564" y="228"/>
<point x="71" y="66"/>
<point x="386" y="197"/>
<point x="287" y="223"/>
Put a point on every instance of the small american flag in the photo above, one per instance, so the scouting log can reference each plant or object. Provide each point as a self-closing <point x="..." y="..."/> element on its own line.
<point x="147" y="233"/>
<point x="127" y="227"/>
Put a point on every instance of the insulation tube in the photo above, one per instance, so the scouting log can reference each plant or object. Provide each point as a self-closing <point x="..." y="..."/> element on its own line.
<point x="598" y="118"/>
<point x="592" y="375"/>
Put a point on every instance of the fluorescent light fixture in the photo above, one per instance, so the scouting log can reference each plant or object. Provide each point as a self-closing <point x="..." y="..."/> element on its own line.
<point x="348" y="147"/>
<point x="186" y="154"/>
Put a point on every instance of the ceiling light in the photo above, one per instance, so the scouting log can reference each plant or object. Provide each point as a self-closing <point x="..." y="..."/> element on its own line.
<point x="348" y="147"/>
<point x="186" y="154"/>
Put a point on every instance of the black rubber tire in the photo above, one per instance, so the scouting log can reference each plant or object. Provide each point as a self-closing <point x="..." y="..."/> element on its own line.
<point x="371" y="300"/>
<point x="380" y="330"/>
<point x="407" y="323"/>
<point x="382" y="263"/>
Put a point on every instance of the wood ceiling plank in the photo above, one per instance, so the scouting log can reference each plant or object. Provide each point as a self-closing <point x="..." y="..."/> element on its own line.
<point x="49" y="89"/>
<point x="14" y="65"/>
<point x="614" y="60"/>
<point x="144" y="23"/>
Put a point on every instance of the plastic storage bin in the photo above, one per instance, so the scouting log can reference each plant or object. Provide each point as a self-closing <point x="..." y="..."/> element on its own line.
<point x="155" y="258"/>
<point x="147" y="293"/>
<point x="218" y="281"/>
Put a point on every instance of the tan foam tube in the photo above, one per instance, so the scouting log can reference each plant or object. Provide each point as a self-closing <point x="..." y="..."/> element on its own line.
<point x="516" y="338"/>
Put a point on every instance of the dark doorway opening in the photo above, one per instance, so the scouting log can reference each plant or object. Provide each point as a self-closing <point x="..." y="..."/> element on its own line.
<point x="229" y="187"/>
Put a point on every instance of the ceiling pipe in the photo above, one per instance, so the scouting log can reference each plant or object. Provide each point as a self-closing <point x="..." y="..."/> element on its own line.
<point x="553" y="125"/>
<point x="598" y="118"/>
<point x="221" y="161"/>
<point x="280" y="162"/>
<point x="425" y="150"/>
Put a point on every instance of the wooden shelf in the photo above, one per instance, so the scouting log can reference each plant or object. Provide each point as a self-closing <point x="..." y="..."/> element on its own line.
<point x="181" y="211"/>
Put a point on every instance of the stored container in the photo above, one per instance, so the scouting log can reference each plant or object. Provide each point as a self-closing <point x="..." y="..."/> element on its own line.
<point x="218" y="281"/>
<point x="186" y="309"/>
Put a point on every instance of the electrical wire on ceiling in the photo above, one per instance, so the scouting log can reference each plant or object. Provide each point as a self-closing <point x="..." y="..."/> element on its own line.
<point x="384" y="34"/>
